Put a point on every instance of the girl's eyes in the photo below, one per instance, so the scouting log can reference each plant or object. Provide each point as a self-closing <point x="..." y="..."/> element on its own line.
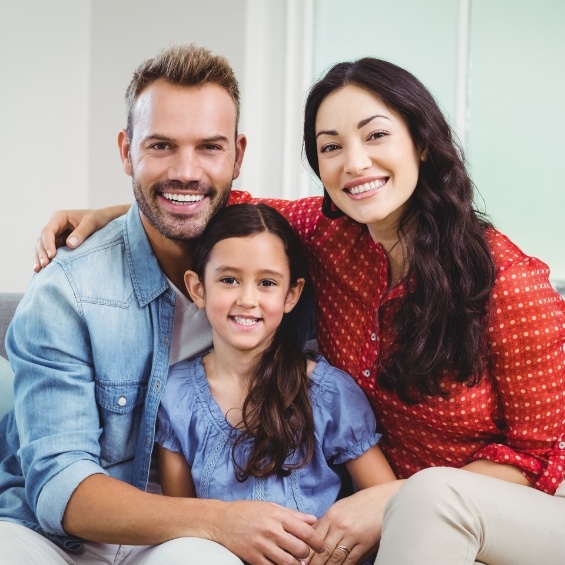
<point x="267" y="283"/>
<point x="234" y="281"/>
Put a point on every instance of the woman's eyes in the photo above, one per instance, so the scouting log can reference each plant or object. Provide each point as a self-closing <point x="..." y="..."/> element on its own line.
<point x="376" y="135"/>
<point x="373" y="136"/>
<point x="228" y="280"/>
<point x="267" y="283"/>
<point x="329" y="147"/>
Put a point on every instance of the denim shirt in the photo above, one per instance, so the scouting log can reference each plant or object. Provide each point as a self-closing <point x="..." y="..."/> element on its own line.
<point x="89" y="346"/>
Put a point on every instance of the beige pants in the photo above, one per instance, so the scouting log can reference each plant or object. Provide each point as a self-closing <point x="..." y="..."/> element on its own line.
<point x="444" y="516"/>
<point x="22" y="546"/>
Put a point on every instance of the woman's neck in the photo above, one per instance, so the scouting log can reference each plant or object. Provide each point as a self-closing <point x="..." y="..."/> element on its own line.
<point x="394" y="244"/>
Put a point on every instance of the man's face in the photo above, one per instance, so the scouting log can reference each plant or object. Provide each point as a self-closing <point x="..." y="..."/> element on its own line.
<point x="182" y="157"/>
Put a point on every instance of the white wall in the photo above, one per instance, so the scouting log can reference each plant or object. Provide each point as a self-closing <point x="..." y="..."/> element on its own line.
<point x="43" y="123"/>
<point x="66" y="64"/>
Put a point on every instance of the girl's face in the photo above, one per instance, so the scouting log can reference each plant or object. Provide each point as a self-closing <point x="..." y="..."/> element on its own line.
<point x="245" y="291"/>
<point x="368" y="161"/>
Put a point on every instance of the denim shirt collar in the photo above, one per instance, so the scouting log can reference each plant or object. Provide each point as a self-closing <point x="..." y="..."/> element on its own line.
<point x="147" y="277"/>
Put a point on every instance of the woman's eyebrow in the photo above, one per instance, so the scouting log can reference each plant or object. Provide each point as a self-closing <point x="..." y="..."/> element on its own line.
<point x="361" y="124"/>
<point x="364" y="122"/>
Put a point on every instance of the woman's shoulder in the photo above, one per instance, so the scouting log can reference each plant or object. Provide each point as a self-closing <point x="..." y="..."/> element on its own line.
<point x="329" y="379"/>
<point x="508" y="256"/>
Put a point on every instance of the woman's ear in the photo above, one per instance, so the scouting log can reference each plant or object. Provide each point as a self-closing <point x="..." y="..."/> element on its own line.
<point x="195" y="288"/>
<point x="293" y="295"/>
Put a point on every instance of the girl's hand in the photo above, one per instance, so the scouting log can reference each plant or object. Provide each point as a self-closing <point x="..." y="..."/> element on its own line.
<point x="354" y="523"/>
<point x="71" y="227"/>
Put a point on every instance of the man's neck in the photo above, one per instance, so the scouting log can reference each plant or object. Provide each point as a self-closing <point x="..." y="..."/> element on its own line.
<point x="174" y="256"/>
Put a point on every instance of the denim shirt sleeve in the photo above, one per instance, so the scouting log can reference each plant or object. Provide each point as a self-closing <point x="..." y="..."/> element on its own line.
<point x="59" y="428"/>
<point x="89" y="345"/>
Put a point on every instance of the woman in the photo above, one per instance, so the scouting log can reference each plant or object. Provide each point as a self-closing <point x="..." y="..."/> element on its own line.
<point x="454" y="334"/>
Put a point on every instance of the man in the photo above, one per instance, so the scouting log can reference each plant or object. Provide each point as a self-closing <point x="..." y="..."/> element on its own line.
<point x="91" y="345"/>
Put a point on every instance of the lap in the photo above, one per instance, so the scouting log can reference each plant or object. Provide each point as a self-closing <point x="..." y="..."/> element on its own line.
<point x="22" y="546"/>
<point x="472" y="518"/>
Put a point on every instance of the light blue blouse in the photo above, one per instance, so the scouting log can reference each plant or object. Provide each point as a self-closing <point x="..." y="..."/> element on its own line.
<point x="190" y="422"/>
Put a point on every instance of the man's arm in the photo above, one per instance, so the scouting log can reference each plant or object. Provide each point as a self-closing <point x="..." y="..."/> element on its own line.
<point x="107" y="510"/>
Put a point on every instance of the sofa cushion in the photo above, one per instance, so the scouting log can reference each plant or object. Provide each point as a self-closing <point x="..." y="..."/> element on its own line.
<point x="6" y="387"/>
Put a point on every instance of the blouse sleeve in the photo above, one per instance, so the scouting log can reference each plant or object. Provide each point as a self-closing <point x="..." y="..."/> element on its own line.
<point x="527" y="337"/>
<point x="165" y="435"/>
<point x="344" y="420"/>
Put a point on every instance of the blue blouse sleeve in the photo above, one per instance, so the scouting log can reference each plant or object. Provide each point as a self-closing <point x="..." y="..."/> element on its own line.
<point x="345" y="425"/>
<point x="165" y="435"/>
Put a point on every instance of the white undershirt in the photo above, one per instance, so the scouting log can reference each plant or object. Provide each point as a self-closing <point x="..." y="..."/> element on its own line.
<point x="192" y="334"/>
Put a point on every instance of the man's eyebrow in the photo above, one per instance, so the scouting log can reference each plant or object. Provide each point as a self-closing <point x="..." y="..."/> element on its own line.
<point x="361" y="124"/>
<point x="162" y="137"/>
<point x="215" y="138"/>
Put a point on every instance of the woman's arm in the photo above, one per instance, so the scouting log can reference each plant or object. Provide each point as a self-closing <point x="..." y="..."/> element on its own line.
<point x="71" y="227"/>
<point x="175" y="475"/>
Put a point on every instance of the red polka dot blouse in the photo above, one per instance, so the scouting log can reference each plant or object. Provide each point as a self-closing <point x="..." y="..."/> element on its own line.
<point x="516" y="413"/>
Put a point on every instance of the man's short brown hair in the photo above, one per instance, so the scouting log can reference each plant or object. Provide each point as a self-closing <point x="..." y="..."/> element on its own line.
<point x="183" y="65"/>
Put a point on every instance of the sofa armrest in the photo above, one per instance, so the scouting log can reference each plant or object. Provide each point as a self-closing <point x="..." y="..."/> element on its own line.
<point x="8" y="304"/>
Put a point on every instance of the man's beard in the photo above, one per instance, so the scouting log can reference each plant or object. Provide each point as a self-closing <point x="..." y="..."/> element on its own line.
<point x="180" y="228"/>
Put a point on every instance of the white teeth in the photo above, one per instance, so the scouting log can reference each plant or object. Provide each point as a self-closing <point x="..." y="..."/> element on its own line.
<point x="367" y="186"/>
<point x="179" y="198"/>
<point x="245" y="321"/>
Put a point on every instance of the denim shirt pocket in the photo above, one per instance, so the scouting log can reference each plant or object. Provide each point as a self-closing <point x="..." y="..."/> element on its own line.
<point x="121" y="409"/>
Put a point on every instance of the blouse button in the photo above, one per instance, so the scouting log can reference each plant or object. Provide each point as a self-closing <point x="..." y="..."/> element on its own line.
<point x="367" y="373"/>
<point x="562" y="445"/>
<point x="122" y="401"/>
<point x="373" y="337"/>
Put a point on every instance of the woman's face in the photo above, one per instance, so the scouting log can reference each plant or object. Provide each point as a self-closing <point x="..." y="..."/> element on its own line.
<point x="368" y="161"/>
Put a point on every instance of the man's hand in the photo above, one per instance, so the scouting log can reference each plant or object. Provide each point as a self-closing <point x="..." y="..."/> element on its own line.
<point x="71" y="227"/>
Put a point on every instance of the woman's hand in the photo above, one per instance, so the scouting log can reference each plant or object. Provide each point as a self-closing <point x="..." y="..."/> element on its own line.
<point x="354" y="524"/>
<point x="263" y="533"/>
<point x="71" y="227"/>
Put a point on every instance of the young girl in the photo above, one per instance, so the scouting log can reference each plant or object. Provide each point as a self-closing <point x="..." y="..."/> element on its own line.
<point x="256" y="417"/>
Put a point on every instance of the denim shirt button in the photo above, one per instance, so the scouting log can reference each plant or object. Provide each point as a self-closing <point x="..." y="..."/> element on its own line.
<point x="122" y="401"/>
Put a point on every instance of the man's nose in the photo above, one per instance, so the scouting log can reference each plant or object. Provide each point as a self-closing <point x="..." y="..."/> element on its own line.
<point x="185" y="166"/>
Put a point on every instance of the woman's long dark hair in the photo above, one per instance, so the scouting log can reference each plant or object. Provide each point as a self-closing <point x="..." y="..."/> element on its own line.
<point x="440" y="326"/>
<point x="277" y="414"/>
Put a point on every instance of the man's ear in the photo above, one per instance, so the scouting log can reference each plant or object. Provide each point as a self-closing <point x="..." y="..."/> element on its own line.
<point x="293" y="295"/>
<point x="124" y="146"/>
<point x="240" y="146"/>
<point x="195" y="288"/>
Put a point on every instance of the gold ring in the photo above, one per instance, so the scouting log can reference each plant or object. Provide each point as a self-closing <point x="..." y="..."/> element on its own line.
<point x="344" y="549"/>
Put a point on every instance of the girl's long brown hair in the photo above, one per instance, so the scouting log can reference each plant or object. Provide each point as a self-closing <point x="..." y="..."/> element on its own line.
<point x="277" y="414"/>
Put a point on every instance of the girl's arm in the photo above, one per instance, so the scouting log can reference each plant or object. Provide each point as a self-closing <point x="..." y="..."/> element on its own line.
<point x="370" y="469"/>
<point x="174" y="474"/>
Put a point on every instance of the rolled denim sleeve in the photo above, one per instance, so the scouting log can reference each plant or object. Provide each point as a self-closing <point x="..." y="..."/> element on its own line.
<point x="54" y="395"/>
